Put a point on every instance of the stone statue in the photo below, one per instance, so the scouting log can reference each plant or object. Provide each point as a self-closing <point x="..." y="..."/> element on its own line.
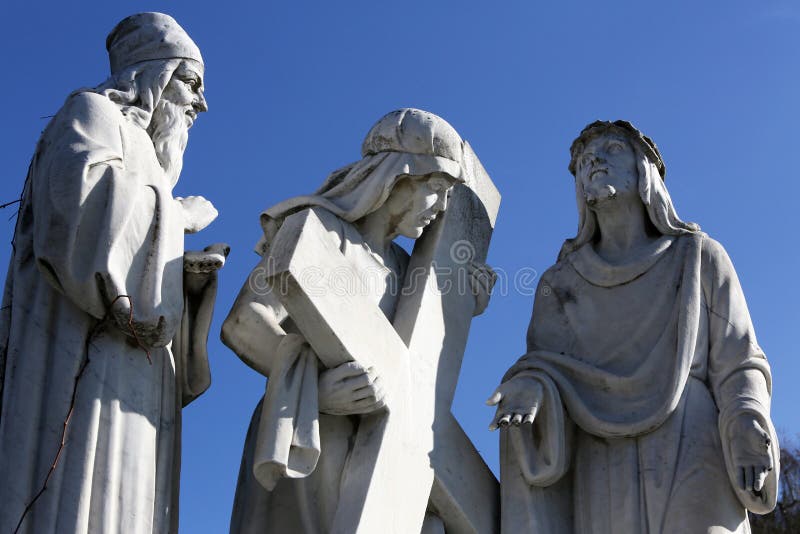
<point x="105" y="318"/>
<point x="341" y="442"/>
<point x="643" y="402"/>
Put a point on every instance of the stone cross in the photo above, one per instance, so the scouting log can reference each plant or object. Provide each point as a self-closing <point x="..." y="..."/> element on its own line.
<point x="414" y="452"/>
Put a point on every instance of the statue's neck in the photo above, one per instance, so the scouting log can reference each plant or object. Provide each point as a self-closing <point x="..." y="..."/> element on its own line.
<point x="377" y="230"/>
<point x="623" y="230"/>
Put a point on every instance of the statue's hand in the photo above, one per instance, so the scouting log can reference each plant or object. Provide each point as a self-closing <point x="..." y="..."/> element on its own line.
<point x="350" y="389"/>
<point x="197" y="213"/>
<point x="199" y="267"/>
<point x="209" y="260"/>
<point x="481" y="281"/>
<point x="518" y="401"/>
<point x="750" y="451"/>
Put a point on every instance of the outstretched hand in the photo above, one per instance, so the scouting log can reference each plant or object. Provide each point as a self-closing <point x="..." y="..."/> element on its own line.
<point x="209" y="260"/>
<point x="200" y="267"/>
<point x="751" y="452"/>
<point x="518" y="401"/>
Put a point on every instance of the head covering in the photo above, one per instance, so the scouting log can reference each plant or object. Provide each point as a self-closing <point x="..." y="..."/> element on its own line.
<point x="416" y="132"/>
<point x="625" y="128"/>
<point x="406" y="142"/>
<point x="148" y="36"/>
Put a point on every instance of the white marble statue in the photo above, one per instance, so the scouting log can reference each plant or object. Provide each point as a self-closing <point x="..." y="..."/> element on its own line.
<point x="105" y="319"/>
<point x="643" y="402"/>
<point x="298" y="463"/>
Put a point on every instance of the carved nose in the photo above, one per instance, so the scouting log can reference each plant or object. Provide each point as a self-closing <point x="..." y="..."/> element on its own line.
<point x="200" y="104"/>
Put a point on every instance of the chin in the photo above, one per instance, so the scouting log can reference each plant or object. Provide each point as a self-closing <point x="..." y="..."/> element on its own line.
<point x="412" y="233"/>
<point x="601" y="197"/>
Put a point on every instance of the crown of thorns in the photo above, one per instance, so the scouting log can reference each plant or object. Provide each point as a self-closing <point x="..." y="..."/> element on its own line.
<point x="625" y="128"/>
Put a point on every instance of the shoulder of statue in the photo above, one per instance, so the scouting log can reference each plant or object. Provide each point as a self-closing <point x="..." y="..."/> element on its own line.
<point x="552" y="276"/>
<point x="88" y="105"/>
<point x="555" y="269"/>
<point x="91" y="117"/>
<point x="714" y="254"/>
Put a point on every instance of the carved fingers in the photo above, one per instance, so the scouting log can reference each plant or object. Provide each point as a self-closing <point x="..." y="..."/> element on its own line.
<point x="751" y="452"/>
<point x="481" y="279"/>
<point x="350" y="389"/>
<point x="200" y="267"/>
<point x="518" y="401"/>
<point x="752" y="478"/>
<point x="209" y="260"/>
<point x="515" y="418"/>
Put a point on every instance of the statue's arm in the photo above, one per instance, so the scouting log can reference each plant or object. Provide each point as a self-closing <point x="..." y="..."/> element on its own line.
<point x="190" y="344"/>
<point x="253" y="326"/>
<point x="529" y="400"/>
<point x="94" y="220"/>
<point x="738" y="368"/>
<point x="741" y="384"/>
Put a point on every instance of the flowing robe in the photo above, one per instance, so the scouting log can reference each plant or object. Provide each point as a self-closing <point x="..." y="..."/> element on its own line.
<point x="644" y="366"/>
<point x="97" y="221"/>
<point x="305" y="501"/>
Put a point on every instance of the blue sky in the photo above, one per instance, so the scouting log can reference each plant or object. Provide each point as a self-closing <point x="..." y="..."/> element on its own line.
<point x="293" y="88"/>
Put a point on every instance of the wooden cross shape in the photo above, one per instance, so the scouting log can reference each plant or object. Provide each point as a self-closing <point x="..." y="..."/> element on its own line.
<point x="414" y="451"/>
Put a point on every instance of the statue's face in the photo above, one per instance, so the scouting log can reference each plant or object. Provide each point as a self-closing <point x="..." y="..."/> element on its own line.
<point x="175" y="112"/>
<point x="607" y="170"/>
<point x="416" y="201"/>
<point x="185" y="90"/>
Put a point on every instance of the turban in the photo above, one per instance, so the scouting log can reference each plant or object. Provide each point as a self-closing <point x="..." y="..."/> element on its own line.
<point x="628" y="130"/>
<point x="148" y="36"/>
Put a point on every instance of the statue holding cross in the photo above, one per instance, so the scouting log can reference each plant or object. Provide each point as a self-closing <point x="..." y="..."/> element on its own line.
<point x="362" y="344"/>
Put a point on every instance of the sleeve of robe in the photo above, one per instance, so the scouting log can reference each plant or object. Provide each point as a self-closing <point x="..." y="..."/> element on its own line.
<point x="190" y="346"/>
<point x="536" y="496"/>
<point x="739" y="374"/>
<point x="99" y="229"/>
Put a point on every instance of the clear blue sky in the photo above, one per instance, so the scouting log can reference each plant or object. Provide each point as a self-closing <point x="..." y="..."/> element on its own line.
<point x="294" y="86"/>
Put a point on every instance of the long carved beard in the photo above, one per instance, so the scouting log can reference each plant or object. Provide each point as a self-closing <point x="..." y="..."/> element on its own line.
<point x="170" y="133"/>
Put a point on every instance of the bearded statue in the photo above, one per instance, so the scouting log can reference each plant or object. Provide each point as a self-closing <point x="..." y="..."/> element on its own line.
<point x="105" y="317"/>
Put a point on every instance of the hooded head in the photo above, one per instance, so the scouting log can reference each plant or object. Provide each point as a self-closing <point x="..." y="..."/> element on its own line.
<point x="404" y="143"/>
<point x="157" y="81"/>
<point x="148" y="37"/>
<point x="144" y="52"/>
<point x="652" y="190"/>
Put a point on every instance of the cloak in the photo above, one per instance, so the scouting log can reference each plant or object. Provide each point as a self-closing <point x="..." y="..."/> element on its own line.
<point x="294" y="456"/>
<point x="644" y="366"/>
<point x="95" y="283"/>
